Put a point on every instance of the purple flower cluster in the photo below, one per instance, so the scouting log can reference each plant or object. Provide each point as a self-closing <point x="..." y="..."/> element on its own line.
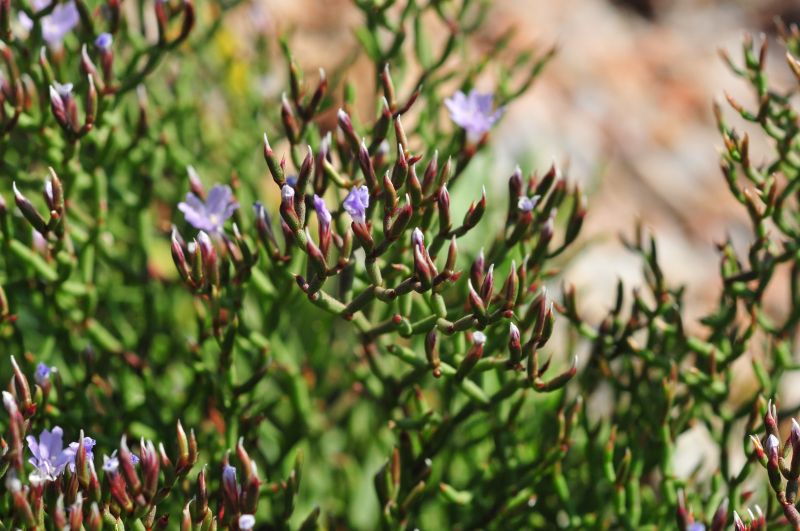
<point x="50" y="458"/>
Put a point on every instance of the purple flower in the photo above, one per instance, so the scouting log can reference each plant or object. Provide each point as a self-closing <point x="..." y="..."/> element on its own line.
<point x="526" y="204"/>
<point x="356" y="203"/>
<point x="104" y="41"/>
<point x="111" y="463"/>
<point x="474" y="112"/>
<point x="49" y="457"/>
<point x="247" y="521"/>
<point x="57" y="24"/>
<point x="42" y="374"/>
<point x="696" y="526"/>
<point x="211" y="215"/>
<point x="323" y="214"/>
<point x="72" y="450"/>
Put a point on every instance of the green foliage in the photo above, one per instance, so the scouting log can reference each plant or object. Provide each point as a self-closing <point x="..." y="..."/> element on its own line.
<point x="388" y="367"/>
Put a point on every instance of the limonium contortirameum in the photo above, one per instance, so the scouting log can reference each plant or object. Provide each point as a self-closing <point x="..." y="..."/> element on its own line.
<point x="209" y="215"/>
<point x="356" y="203"/>
<point x="473" y="112"/>
<point x="57" y="24"/>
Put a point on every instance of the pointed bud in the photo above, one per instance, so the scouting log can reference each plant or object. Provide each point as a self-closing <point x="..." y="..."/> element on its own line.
<point x="475" y="301"/>
<point x="346" y="125"/>
<point x="432" y="353"/>
<point x="275" y="167"/>
<point x="429" y="177"/>
<point x="400" y="169"/>
<point x="443" y="203"/>
<point x="288" y="213"/>
<point x="473" y="355"/>
<point x="476" y="272"/>
<point x="514" y="344"/>
<point x="29" y="211"/>
<point x="452" y="254"/>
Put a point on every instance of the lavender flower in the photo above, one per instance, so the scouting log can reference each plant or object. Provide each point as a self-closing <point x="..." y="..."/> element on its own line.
<point x="210" y="215"/>
<point x="111" y="463"/>
<point x="49" y="457"/>
<point x="474" y="112"/>
<point x="356" y="203"/>
<point x="323" y="214"/>
<point x="479" y="338"/>
<point x="72" y="450"/>
<point x="104" y="41"/>
<point x="62" y="90"/>
<point x="57" y="24"/>
<point x="42" y="374"/>
<point x="696" y="526"/>
<point x="526" y="204"/>
<point x="247" y="521"/>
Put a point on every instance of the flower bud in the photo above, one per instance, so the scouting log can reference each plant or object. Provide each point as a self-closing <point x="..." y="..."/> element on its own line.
<point x="475" y="212"/>
<point x="288" y="213"/>
<point x="400" y="169"/>
<point x="487" y="288"/>
<point x="443" y="203"/>
<point x="473" y="355"/>
<point x="475" y="301"/>
<point x="303" y="176"/>
<point x="346" y="126"/>
<point x="230" y="488"/>
<point x="103" y="44"/>
<point x="476" y="271"/>
<point x="389" y="196"/>
<point x="179" y="258"/>
<point x="720" y="519"/>
<point x="29" y="211"/>
<point x="275" y="168"/>
<point x="62" y="103"/>
<point x="289" y="122"/>
<point x="429" y="177"/>
<point x="432" y="353"/>
<point x="514" y="345"/>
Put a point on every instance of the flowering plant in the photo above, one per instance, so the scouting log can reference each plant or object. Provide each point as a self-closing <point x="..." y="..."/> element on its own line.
<point x="352" y="335"/>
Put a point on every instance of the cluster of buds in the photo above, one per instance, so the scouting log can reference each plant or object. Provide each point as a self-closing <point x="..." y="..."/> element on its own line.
<point x="783" y="473"/>
<point x="128" y="487"/>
